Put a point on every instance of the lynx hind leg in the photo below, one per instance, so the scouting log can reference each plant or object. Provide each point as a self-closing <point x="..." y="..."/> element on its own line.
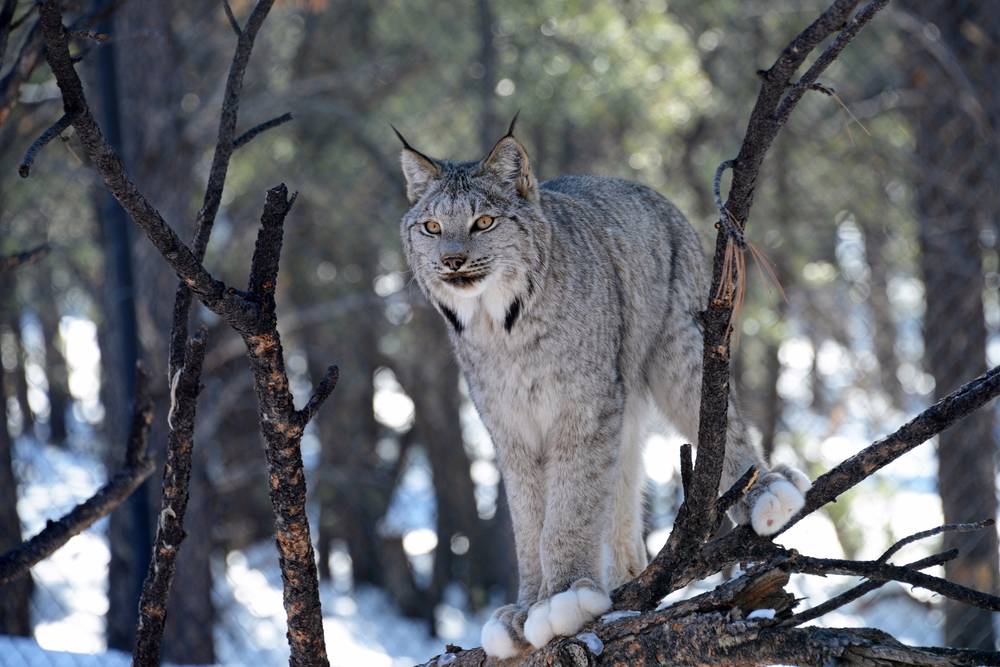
<point x="776" y="498"/>
<point x="627" y="550"/>
<point x="503" y="635"/>
<point x="565" y="613"/>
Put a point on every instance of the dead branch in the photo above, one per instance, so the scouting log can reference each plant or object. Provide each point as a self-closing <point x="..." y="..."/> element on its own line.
<point x="252" y="133"/>
<point x="24" y="169"/>
<point x="16" y="261"/>
<point x="852" y="594"/>
<point x="136" y="467"/>
<point x="695" y="518"/>
<point x="185" y="387"/>
<point x="251" y="314"/>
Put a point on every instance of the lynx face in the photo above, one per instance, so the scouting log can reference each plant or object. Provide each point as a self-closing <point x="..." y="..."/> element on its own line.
<point x="472" y="232"/>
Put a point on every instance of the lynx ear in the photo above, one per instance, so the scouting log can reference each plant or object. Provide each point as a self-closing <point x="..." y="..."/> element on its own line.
<point x="418" y="169"/>
<point x="508" y="161"/>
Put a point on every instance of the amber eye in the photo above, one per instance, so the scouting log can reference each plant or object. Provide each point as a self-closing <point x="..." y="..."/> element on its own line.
<point x="433" y="227"/>
<point x="483" y="222"/>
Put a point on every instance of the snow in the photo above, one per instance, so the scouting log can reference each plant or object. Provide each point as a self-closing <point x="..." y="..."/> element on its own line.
<point x="363" y="627"/>
<point x="761" y="613"/>
<point x="613" y="616"/>
<point x="592" y="642"/>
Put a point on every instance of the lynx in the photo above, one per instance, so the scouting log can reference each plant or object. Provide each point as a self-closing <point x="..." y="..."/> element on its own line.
<point x="572" y="306"/>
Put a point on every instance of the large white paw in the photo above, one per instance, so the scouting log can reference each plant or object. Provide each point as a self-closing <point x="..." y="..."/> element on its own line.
<point x="500" y="637"/>
<point x="778" y="501"/>
<point x="565" y="613"/>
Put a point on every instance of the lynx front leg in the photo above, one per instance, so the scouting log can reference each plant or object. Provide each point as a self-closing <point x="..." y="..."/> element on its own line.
<point x="580" y="473"/>
<point x="503" y="634"/>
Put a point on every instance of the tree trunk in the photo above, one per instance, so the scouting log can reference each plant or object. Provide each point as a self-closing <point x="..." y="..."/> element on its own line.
<point x="956" y="196"/>
<point x="56" y="372"/>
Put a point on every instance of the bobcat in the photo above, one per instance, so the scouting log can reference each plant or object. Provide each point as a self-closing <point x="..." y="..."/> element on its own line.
<point x="573" y="307"/>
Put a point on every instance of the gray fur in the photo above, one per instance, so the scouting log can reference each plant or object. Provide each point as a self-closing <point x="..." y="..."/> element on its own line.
<point x="584" y="319"/>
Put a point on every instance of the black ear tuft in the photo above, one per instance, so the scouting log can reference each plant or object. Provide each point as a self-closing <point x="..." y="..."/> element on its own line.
<point x="508" y="161"/>
<point x="510" y="130"/>
<point x="418" y="169"/>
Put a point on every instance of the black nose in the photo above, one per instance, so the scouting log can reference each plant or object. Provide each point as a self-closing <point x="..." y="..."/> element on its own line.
<point x="454" y="261"/>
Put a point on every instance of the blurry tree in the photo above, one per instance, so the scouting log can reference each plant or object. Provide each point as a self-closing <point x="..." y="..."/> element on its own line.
<point x="956" y="120"/>
<point x="15" y="597"/>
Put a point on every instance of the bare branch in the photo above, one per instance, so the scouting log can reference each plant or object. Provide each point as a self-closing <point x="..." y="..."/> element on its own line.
<point x="319" y="395"/>
<point x="856" y="592"/>
<point x="888" y="572"/>
<point x="695" y="518"/>
<point x="233" y="23"/>
<point x="136" y="468"/>
<point x="38" y="144"/>
<point x="924" y="534"/>
<point x="808" y="80"/>
<point x="733" y="495"/>
<point x="250" y="134"/>
<point x="224" y="147"/>
<point x="935" y="419"/>
<point x="228" y="303"/>
<point x="173" y="505"/>
<point x="16" y="261"/>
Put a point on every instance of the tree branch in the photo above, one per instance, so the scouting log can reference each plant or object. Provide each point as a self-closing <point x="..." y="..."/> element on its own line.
<point x="136" y="467"/>
<point x="13" y="262"/>
<point x="251" y="314"/>
<point x="856" y="592"/>
<point x="224" y="147"/>
<point x="38" y="144"/>
<point x="185" y="387"/>
<point x="228" y="303"/>
<point x="695" y="518"/>
<point x="252" y="133"/>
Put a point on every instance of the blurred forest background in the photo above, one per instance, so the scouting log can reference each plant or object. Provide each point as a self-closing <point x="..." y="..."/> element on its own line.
<point x="879" y="208"/>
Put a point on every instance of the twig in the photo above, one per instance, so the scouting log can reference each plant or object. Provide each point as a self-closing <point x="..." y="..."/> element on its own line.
<point x="137" y="466"/>
<point x="224" y="146"/>
<point x="229" y="304"/>
<point x="38" y="144"/>
<point x="733" y="495"/>
<point x="887" y="572"/>
<point x="856" y="592"/>
<point x="173" y="505"/>
<point x="89" y="34"/>
<point x="16" y="261"/>
<point x="319" y="395"/>
<point x="250" y="134"/>
<point x="232" y="19"/>
<point x="808" y="80"/>
<point x="935" y="419"/>
<point x="924" y="534"/>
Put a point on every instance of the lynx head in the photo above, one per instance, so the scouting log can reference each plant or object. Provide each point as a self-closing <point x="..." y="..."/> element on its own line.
<point x="475" y="234"/>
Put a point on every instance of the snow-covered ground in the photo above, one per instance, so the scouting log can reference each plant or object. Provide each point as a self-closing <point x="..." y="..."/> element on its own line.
<point x="364" y="628"/>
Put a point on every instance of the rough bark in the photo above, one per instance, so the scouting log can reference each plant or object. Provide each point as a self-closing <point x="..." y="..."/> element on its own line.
<point x="173" y="506"/>
<point x="252" y="315"/>
<point x="778" y="96"/>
